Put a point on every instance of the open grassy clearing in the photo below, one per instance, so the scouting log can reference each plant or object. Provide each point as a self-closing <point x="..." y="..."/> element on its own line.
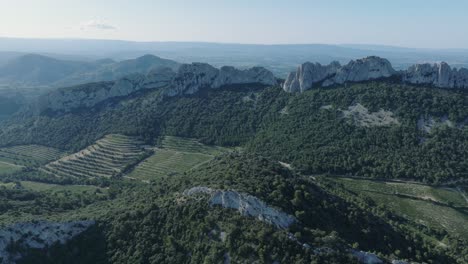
<point x="6" y="168"/>
<point x="437" y="207"/>
<point x="29" y="155"/>
<point x="176" y="155"/>
<point x="190" y="145"/>
<point x="7" y="185"/>
<point x="49" y="187"/>
<point x="108" y="157"/>
<point x="40" y="187"/>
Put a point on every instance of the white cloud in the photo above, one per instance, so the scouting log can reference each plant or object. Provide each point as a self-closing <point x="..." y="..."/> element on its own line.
<point x="97" y="24"/>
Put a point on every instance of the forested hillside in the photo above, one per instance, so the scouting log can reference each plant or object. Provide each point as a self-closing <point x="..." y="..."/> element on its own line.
<point x="244" y="174"/>
<point x="374" y="129"/>
<point x="160" y="223"/>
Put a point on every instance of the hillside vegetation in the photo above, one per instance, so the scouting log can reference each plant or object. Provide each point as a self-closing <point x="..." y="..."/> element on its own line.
<point x="376" y="167"/>
<point x="439" y="208"/>
<point x="175" y="155"/>
<point x="135" y="215"/>
<point x="106" y="158"/>
<point x="310" y="130"/>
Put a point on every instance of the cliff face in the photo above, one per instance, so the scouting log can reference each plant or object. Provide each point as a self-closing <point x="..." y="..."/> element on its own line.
<point x="310" y="75"/>
<point x="439" y="75"/>
<point x="369" y="68"/>
<point x="188" y="80"/>
<point x="89" y="95"/>
<point x="193" y="77"/>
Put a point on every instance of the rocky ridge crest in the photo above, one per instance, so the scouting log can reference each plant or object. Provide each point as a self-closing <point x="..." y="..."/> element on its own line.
<point x="245" y="204"/>
<point x="311" y="75"/>
<point x="314" y="75"/>
<point x="189" y="79"/>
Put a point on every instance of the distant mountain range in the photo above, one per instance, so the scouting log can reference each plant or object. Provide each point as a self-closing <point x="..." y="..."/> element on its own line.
<point x="280" y="59"/>
<point x="34" y="70"/>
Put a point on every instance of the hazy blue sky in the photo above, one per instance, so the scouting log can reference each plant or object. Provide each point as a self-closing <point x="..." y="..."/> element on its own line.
<point x="413" y="23"/>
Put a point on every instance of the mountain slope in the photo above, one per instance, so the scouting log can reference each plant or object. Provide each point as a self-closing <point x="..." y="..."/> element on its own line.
<point x="272" y="201"/>
<point x="114" y="71"/>
<point x="38" y="70"/>
<point x="318" y="131"/>
<point x="162" y="223"/>
<point x="35" y="69"/>
<point x="280" y="59"/>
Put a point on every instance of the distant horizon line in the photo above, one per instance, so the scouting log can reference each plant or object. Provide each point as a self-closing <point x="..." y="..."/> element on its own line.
<point x="347" y="45"/>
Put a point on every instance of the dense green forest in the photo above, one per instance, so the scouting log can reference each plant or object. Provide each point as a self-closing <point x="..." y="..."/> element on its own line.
<point x="284" y="149"/>
<point x="307" y="130"/>
<point x="155" y="223"/>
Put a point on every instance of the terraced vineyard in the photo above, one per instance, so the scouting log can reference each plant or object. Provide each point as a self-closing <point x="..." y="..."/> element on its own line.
<point x="176" y="155"/>
<point x="29" y="155"/>
<point x="108" y="157"/>
<point x="190" y="145"/>
<point x="444" y="208"/>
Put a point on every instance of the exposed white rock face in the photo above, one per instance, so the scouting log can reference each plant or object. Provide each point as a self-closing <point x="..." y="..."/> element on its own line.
<point x="361" y="116"/>
<point x="38" y="235"/>
<point x="439" y="75"/>
<point x="426" y="124"/>
<point x="91" y="94"/>
<point x="246" y="204"/>
<point x="310" y="75"/>
<point x="369" y="68"/>
<point x="366" y="258"/>
<point x="193" y="77"/>
<point x="399" y="262"/>
<point x="230" y="75"/>
<point x="189" y="79"/>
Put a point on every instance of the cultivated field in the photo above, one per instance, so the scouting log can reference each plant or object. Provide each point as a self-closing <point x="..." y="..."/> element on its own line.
<point x="176" y="155"/>
<point x="29" y="155"/>
<point x="47" y="187"/>
<point x="108" y="157"/>
<point x="190" y="145"/>
<point x="444" y="208"/>
<point x="13" y="159"/>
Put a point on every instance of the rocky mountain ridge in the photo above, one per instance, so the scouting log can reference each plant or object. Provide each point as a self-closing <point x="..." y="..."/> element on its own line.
<point x="89" y="95"/>
<point x="33" y="70"/>
<point x="439" y="75"/>
<point x="313" y="75"/>
<point x="189" y="79"/>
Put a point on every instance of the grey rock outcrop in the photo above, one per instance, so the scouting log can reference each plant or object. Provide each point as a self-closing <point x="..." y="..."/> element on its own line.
<point x="310" y="75"/>
<point x="89" y="95"/>
<point x="245" y="204"/>
<point x="189" y="79"/>
<point x="439" y="75"/>
<point x="366" y="257"/>
<point x="37" y="235"/>
<point x="369" y="68"/>
<point x="193" y="77"/>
